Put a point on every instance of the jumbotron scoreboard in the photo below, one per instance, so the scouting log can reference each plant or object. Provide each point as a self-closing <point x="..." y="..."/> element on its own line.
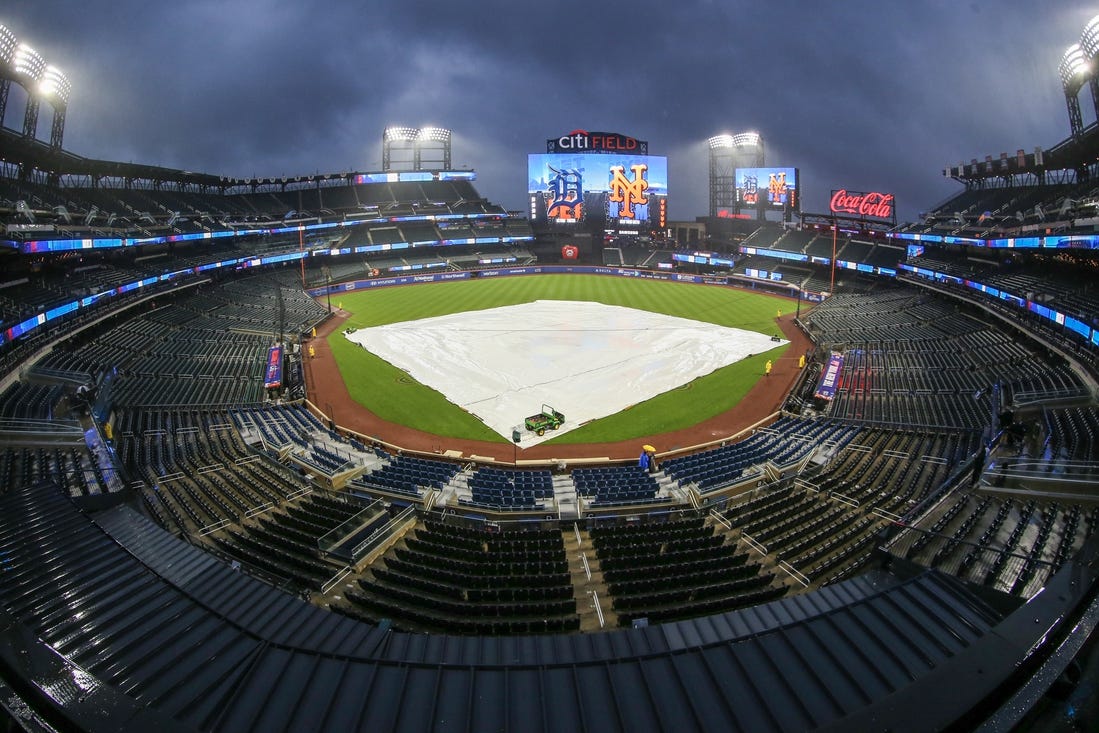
<point x="598" y="181"/>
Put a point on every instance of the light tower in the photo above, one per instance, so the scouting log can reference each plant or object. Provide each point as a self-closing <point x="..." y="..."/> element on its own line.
<point x="8" y="42"/>
<point x="1089" y="44"/>
<point x="55" y="89"/>
<point x="28" y="66"/>
<point x="422" y="148"/>
<point x="727" y="153"/>
<point x="44" y="83"/>
<point x="1074" y="70"/>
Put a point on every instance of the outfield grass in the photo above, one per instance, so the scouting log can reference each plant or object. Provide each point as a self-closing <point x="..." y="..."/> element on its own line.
<point x="391" y="394"/>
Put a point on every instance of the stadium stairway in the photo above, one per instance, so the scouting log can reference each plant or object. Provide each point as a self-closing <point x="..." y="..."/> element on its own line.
<point x="565" y="498"/>
<point x="455" y="489"/>
<point x="668" y="486"/>
<point x="593" y="598"/>
<point x="101" y="455"/>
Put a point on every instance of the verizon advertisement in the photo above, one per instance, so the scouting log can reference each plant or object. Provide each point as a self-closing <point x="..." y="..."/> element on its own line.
<point x="863" y="204"/>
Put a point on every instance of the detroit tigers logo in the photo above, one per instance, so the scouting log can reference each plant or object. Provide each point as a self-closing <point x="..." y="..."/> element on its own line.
<point x="628" y="192"/>
<point x="565" y="194"/>
<point x="751" y="190"/>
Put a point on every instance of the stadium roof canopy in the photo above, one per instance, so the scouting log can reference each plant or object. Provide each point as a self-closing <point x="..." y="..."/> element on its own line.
<point x="37" y="156"/>
<point x="1071" y="154"/>
<point x="1079" y="153"/>
<point x="57" y="165"/>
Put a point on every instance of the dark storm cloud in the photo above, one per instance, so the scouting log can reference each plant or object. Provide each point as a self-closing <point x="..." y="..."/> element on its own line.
<point x="864" y="95"/>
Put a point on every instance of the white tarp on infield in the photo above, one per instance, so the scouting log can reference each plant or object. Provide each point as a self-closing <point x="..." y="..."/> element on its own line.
<point x="587" y="360"/>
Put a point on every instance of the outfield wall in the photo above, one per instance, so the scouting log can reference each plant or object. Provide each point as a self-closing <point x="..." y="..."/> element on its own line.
<point x="382" y="282"/>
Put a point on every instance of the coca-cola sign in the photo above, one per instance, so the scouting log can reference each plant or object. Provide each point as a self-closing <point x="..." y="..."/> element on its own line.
<point x="860" y="203"/>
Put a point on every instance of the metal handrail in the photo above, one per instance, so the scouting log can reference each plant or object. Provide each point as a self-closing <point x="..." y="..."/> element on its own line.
<point x="794" y="573"/>
<point x="598" y="609"/>
<point x="342" y="530"/>
<point x="360" y="549"/>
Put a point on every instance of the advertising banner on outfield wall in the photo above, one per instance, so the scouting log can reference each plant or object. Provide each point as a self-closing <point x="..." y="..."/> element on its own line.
<point x="535" y="270"/>
<point x="383" y="282"/>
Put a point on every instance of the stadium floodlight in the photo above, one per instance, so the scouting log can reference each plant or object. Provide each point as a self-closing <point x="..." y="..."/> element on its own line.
<point x="434" y="134"/>
<point x="739" y="140"/>
<point x="28" y="63"/>
<point x="721" y="141"/>
<point x="1074" y="69"/>
<point x="399" y="133"/>
<point x="746" y="139"/>
<point x="1089" y="44"/>
<point x="434" y="141"/>
<point x="1089" y="39"/>
<point x="55" y="86"/>
<point x="8" y="42"/>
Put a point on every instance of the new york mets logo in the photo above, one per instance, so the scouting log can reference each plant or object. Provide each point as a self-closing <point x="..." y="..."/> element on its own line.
<point x="627" y="192"/>
<point x="776" y="187"/>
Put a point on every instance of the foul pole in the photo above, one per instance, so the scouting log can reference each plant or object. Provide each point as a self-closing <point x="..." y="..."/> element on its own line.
<point x="835" y="230"/>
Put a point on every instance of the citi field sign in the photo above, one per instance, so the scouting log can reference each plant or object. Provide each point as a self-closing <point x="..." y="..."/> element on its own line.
<point x="582" y="141"/>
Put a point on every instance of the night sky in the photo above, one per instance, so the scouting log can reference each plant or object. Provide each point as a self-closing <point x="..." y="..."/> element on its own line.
<point x="858" y="95"/>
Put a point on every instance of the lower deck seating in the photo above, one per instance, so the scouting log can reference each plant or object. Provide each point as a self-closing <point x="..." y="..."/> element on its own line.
<point x="506" y="489"/>
<point x="455" y="578"/>
<point x="671" y="569"/>
<point x="616" y="485"/>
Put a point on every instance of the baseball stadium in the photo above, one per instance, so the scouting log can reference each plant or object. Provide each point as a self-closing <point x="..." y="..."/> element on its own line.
<point x="368" y="451"/>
